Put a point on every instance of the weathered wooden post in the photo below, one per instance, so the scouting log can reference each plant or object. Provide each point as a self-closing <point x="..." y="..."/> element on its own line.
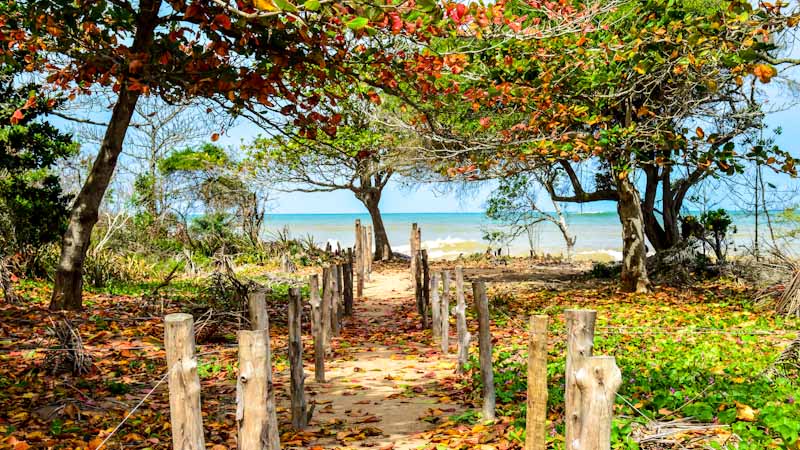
<point x="341" y="290"/>
<point x="598" y="380"/>
<point x="359" y="259"/>
<point x="418" y="296"/>
<point x="445" y="315"/>
<point x="580" y="340"/>
<point x="348" y="284"/>
<point x="369" y="254"/>
<point x="184" y="383"/>
<point x="426" y="287"/>
<point x="535" y="434"/>
<point x="327" y="333"/>
<point x="436" y="307"/>
<point x="298" y="377"/>
<point x="318" y="328"/>
<point x="485" y="345"/>
<point x="414" y="253"/>
<point x="334" y="298"/>
<point x="259" y="320"/>
<point x="461" y="322"/>
<point x="257" y="309"/>
<point x="252" y="392"/>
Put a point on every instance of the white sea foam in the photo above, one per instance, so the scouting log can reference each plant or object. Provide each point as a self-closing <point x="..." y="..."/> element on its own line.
<point x="614" y="254"/>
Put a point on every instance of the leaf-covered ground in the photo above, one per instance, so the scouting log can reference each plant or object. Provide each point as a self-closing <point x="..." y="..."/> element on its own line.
<point x="690" y="353"/>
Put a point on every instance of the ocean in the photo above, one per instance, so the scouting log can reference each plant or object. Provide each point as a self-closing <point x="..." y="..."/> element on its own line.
<point x="448" y="235"/>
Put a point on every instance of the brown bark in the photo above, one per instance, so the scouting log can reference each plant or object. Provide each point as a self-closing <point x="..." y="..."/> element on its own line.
<point x="634" y="253"/>
<point x="68" y="287"/>
<point x="383" y="250"/>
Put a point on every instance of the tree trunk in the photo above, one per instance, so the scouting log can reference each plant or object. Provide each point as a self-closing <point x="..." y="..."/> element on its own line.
<point x="634" y="252"/>
<point x="383" y="251"/>
<point x="69" y="275"/>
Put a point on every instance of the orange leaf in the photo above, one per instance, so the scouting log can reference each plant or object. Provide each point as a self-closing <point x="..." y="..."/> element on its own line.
<point x="15" y="119"/>
<point x="215" y="137"/>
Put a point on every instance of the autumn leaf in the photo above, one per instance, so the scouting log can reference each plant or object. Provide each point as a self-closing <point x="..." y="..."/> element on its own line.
<point x="700" y="133"/>
<point x="215" y="137"/>
<point x="745" y="412"/>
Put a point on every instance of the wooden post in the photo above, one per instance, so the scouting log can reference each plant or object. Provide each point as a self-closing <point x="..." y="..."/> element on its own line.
<point x="252" y="392"/>
<point x="318" y="328"/>
<point x="485" y="344"/>
<point x="368" y="247"/>
<point x="461" y="322"/>
<point x="436" y="307"/>
<point x="334" y="299"/>
<point x="326" y="307"/>
<point x="348" y="284"/>
<point x="414" y="253"/>
<point x="598" y="380"/>
<point x="184" y="383"/>
<point x="537" y="384"/>
<point x="419" y="297"/>
<point x="426" y="287"/>
<point x="259" y="320"/>
<point x="257" y="309"/>
<point x="445" y="314"/>
<point x="341" y="289"/>
<point x="298" y="400"/>
<point x="580" y="339"/>
<point x="359" y="259"/>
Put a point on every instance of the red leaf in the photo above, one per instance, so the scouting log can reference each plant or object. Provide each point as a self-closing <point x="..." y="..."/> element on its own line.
<point x="223" y="20"/>
<point x="215" y="137"/>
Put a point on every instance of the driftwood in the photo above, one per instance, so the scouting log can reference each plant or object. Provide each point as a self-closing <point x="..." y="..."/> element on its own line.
<point x="184" y="383"/>
<point x="485" y="345"/>
<point x="70" y="354"/>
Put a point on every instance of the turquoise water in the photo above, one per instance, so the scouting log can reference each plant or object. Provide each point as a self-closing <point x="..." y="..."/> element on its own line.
<point x="446" y="235"/>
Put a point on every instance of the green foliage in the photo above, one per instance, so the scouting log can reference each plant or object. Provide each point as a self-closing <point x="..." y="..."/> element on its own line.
<point x="709" y="376"/>
<point x="30" y="192"/>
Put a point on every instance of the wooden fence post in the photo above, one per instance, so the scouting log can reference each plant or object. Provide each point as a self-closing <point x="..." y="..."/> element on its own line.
<point x="461" y="322"/>
<point x="369" y="254"/>
<point x="318" y="328"/>
<point x="298" y="377"/>
<point x="537" y="384"/>
<point x="436" y="307"/>
<point x="341" y="290"/>
<point x="414" y="253"/>
<point x="326" y="307"/>
<point x="257" y="309"/>
<point x="334" y="299"/>
<point x="259" y="320"/>
<point x="445" y="315"/>
<point x="252" y="391"/>
<point x="426" y="287"/>
<point x="348" y="284"/>
<point x="598" y="380"/>
<point x="580" y="339"/>
<point x="359" y="259"/>
<point x="184" y="383"/>
<point x="485" y="344"/>
<point x="418" y="296"/>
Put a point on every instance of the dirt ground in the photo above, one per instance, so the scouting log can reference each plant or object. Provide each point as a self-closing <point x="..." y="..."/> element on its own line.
<point x="380" y="386"/>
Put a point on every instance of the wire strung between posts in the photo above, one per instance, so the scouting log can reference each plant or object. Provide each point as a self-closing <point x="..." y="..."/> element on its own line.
<point x="130" y="413"/>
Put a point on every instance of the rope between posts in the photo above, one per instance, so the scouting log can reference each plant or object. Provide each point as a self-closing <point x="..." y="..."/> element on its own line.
<point x="130" y="413"/>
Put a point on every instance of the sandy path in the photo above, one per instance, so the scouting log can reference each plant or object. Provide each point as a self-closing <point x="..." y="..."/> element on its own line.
<point x="380" y="385"/>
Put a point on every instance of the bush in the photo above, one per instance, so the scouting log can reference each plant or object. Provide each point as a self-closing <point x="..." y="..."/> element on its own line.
<point x="606" y="270"/>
